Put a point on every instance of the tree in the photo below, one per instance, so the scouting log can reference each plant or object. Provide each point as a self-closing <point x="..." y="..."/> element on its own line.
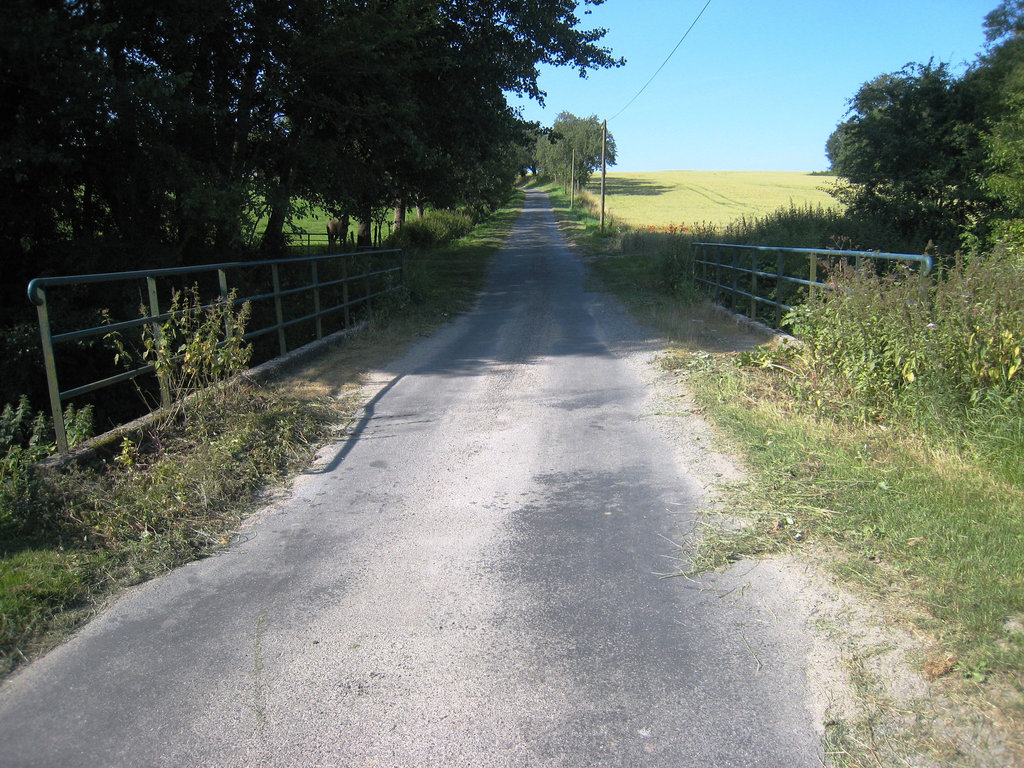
<point x="1003" y="71"/>
<point x="173" y="126"/>
<point x="911" y="153"/>
<point x="441" y="129"/>
<point x="573" y="140"/>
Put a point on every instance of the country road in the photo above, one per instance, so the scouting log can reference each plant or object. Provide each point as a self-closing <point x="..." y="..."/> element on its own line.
<point x="473" y="578"/>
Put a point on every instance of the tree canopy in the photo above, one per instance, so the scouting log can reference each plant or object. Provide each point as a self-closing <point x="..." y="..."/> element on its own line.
<point x="174" y="126"/>
<point x="571" y="150"/>
<point x="937" y="157"/>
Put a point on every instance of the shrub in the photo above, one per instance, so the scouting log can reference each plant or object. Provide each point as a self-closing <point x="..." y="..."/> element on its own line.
<point x="437" y="227"/>
<point x="864" y="338"/>
<point x="874" y="349"/>
<point x="979" y="327"/>
<point x="197" y="346"/>
<point x="26" y="437"/>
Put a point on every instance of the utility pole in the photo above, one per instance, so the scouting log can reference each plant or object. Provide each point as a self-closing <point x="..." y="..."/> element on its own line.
<point x="604" y="147"/>
<point x="572" y="180"/>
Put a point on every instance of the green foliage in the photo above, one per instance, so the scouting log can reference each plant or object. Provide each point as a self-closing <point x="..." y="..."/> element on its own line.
<point x="1004" y="139"/>
<point x="911" y="153"/>
<point x="978" y="328"/>
<point x="21" y="428"/>
<point x="875" y="349"/>
<point x="939" y="156"/>
<point x="437" y="227"/>
<point x="573" y="138"/>
<point x="176" y="129"/>
<point x="26" y="437"/>
<point x="862" y="340"/>
<point x="196" y="347"/>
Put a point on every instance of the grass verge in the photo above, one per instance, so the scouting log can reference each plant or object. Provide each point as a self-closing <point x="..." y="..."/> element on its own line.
<point x="179" y="490"/>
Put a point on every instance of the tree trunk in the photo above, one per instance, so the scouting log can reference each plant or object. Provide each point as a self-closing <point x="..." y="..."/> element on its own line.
<point x="273" y="236"/>
<point x="364" y="235"/>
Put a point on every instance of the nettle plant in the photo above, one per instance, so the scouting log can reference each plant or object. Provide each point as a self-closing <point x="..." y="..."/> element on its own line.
<point x="198" y="346"/>
<point x="876" y="339"/>
<point x="864" y="337"/>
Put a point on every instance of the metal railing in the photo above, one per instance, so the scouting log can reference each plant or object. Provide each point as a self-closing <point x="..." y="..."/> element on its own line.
<point x="310" y="241"/>
<point x="748" y="276"/>
<point x="323" y="292"/>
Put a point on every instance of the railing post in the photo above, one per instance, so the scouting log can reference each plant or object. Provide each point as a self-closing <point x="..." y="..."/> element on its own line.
<point x="278" y="309"/>
<point x="222" y="282"/>
<point x="718" y="272"/>
<point x="154" y="313"/>
<point x="366" y="282"/>
<point x="50" y="363"/>
<point x="735" y="278"/>
<point x="753" y="285"/>
<point x="344" y="289"/>
<point x="780" y="268"/>
<point x="316" y="301"/>
<point x="813" y="274"/>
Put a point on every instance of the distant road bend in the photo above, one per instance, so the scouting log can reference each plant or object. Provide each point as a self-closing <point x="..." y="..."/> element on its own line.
<point x="472" y="580"/>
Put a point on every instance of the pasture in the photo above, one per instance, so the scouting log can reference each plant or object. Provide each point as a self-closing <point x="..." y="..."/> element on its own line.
<point x="662" y="198"/>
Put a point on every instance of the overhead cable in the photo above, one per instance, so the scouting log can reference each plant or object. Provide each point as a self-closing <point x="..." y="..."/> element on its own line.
<point x="664" y="62"/>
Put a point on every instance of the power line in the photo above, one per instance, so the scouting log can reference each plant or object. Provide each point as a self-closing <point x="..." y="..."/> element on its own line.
<point x="664" y="62"/>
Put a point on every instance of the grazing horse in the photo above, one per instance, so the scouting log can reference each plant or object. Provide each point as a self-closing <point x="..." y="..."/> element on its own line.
<point x="337" y="231"/>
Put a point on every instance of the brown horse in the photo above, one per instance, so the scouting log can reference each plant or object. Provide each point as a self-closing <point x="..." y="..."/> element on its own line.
<point x="337" y="232"/>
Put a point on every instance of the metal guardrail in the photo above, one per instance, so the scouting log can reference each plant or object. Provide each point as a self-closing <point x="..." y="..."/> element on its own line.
<point x="761" y="274"/>
<point x="378" y="272"/>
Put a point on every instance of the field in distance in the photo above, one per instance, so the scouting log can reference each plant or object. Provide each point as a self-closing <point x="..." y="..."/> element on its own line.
<point x="661" y="198"/>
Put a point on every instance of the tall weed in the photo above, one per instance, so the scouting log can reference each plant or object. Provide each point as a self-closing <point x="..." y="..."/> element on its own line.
<point x="863" y="340"/>
<point x="26" y="437"/>
<point x="198" y="345"/>
<point x="874" y="349"/>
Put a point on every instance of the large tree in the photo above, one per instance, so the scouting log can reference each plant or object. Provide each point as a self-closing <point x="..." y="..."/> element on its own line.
<point x="442" y="126"/>
<point x="166" y="128"/>
<point x="910" y="154"/>
<point x="1003" y="69"/>
<point x="571" y="151"/>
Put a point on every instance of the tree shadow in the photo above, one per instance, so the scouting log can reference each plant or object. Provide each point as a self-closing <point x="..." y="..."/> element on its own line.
<point x="634" y="187"/>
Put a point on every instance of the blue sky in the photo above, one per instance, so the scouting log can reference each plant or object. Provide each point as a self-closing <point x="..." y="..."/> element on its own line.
<point x="757" y="84"/>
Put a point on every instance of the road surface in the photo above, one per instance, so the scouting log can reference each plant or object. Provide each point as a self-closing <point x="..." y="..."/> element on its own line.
<point x="472" y="579"/>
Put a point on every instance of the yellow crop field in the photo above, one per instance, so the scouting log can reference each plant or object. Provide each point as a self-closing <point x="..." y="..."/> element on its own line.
<point x="662" y="198"/>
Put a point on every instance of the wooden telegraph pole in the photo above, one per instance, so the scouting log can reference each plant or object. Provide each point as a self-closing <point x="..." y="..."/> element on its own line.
<point x="604" y="146"/>
<point x="572" y="180"/>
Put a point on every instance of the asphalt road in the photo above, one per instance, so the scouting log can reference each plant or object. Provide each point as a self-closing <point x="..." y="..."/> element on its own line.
<point x="472" y="579"/>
